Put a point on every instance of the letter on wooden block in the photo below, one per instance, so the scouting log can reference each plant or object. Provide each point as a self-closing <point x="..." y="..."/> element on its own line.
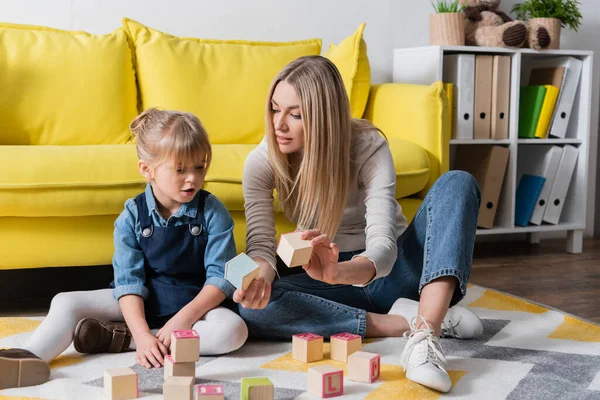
<point x="293" y="250"/>
<point x="120" y="384"/>
<point x="344" y="344"/>
<point x="307" y="347"/>
<point x="257" y="389"/>
<point x="178" y="388"/>
<point x="241" y="271"/>
<point x="185" y="346"/>
<point x="326" y="381"/>
<point x="210" y="392"/>
<point x="178" y="369"/>
<point x="364" y="367"/>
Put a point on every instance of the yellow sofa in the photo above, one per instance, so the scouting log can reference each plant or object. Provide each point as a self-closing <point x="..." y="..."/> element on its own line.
<point x="68" y="162"/>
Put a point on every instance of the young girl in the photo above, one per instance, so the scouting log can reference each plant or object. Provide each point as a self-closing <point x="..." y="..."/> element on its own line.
<point x="336" y="180"/>
<point x="171" y="245"/>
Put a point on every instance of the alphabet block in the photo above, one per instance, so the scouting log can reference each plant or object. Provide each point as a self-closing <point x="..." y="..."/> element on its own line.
<point x="326" y="381"/>
<point x="293" y="250"/>
<point x="257" y="389"/>
<point x="178" y="369"/>
<point x="307" y="347"/>
<point x="178" y="388"/>
<point x="185" y="346"/>
<point x="241" y="271"/>
<point x="120" y="384"/>
<point x="344" y="344"/>
<point x="210" y="392"/>
<point x="364" y="367"/>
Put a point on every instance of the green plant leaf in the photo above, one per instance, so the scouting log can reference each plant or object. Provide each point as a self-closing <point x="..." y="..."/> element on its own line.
<point x="567" y="11"/>
<point x="447" y="6"/>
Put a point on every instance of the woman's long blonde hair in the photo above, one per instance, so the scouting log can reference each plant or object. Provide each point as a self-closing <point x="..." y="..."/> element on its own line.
<point x="312" y="186"/>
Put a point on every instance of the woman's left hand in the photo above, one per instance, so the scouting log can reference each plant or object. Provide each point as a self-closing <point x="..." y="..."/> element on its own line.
<point x="323" y="264"/>
<point x="177" y="322"/>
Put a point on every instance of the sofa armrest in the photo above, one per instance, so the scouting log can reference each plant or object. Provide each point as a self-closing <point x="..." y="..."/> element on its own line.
<point x="418" y="114"/>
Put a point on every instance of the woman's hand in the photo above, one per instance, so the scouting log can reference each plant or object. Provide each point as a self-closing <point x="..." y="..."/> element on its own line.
<point x="258" y="294"/>
<point x="178" y="322"/>
<point x="149" y="351"/>
<point x="323" y="264"/>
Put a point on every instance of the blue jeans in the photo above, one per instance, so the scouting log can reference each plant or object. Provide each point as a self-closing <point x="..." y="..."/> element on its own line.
<point x="438" y="242"/>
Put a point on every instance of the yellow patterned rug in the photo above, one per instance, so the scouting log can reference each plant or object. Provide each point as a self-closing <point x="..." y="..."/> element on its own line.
<point x="528" y="351"/>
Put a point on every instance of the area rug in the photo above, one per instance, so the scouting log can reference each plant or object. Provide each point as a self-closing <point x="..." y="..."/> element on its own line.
<point x="527" y="351"/>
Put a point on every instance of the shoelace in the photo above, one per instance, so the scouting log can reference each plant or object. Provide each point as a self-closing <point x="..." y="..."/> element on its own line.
<point x="433" y="349"/>
<point x="448" y="328"/>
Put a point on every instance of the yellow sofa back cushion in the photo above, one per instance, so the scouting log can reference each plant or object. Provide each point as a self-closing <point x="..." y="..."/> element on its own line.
<point x="223" y="82"/>
<point x="62" y="87"/>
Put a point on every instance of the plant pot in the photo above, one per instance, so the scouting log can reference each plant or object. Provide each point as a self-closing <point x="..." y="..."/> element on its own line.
<point x="553" y="26"/>
<point x="447" y="29"/>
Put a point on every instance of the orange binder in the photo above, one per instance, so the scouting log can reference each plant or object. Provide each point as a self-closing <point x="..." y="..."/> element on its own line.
<point x="483" y="96"/>
<point x="500" y="97"/>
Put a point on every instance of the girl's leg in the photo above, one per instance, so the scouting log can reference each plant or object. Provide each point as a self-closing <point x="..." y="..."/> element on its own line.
<point x="55" y="333"/>
<point x="221" y="331"/>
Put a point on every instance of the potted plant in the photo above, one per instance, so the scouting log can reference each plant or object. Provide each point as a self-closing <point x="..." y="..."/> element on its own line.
<point x="447" y="25"/>
<point x="552" y="15"/>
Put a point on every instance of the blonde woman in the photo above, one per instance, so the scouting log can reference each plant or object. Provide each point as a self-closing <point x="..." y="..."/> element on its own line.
<point x="171" y="245"/>
<point x="370" y="273"/>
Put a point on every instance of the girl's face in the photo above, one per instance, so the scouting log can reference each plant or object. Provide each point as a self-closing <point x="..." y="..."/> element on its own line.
<point x="287" y="118"/>
<point x="174" y="185"/>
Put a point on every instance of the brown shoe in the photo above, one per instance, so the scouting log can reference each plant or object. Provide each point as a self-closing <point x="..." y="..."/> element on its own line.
<point x="19" y="368"/>
<point x="93" y="336"/>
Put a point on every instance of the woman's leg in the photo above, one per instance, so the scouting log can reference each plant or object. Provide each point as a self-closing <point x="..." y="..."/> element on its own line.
<point x="55" y="333"/>
<point x="221" y="331"/>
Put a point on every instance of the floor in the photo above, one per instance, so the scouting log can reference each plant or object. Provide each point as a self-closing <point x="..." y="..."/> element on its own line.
<point x="544" y="273"/>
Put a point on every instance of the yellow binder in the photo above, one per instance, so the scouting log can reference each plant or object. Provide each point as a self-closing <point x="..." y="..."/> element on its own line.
<point x="543" y="125"/>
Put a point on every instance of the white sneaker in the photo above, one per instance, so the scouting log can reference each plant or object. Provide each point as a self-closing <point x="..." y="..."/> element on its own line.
<point x="458" y="323"/>
<point x="423" y="360"/>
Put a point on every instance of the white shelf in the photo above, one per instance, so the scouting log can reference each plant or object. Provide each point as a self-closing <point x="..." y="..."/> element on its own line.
<point x="425" y="65"/>
<point x="550" y="141"/>
<point x="479" y="141"/>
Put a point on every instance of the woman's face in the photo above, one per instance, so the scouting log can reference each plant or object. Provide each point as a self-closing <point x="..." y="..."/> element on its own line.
<point x="287" y="118"/>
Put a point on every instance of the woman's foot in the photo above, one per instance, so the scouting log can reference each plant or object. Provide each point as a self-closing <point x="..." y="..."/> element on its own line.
<point x="93" y="336"/>
<point x="19" y="368"/>
<point x="423" y="360"/>
<point x="458" y="323"/>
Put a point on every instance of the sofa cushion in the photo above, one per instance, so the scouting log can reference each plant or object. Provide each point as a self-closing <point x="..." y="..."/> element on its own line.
<point x="60" y="181"/>
<point x="350" y="58"/>
<point x="223" y="82"/>
<point x="65" y="87"/>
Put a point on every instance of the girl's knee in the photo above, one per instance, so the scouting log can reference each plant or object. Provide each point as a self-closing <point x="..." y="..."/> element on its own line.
<point x="63" y="302"/>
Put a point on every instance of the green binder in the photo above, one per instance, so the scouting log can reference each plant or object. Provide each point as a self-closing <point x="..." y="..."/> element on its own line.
<point x="531" y="100"/>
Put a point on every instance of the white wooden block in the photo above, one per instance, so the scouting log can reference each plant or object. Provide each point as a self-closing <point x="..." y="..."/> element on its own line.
<point x="178" y="388"/>
<point x="293" y="250"/>
<point x="241" y="271"/>
<point x="364" y="367"/>
<point x="120" y="384"/>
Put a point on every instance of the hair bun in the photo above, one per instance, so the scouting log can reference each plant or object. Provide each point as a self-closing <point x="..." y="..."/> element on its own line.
<point x="142" y="120"/>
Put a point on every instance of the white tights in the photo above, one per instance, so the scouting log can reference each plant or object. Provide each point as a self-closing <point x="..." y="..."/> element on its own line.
<point x="221" y="330"/>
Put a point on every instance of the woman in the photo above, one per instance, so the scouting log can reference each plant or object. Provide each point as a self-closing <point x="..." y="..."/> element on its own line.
<point x="335" y="179"/>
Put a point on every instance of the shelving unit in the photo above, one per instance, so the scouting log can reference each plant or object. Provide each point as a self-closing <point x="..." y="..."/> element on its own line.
<point x="425" y="65"/>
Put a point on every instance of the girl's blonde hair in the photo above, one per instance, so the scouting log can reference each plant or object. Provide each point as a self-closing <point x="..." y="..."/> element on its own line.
<point x="313" y="186"/>
<point x="167" y="135"/>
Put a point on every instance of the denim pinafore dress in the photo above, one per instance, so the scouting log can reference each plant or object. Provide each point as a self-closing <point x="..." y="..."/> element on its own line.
<point x="173" y="261"/>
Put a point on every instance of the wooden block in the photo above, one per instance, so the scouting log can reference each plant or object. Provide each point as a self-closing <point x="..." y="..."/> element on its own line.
<point x="178" y="388"/>
<point x="178" y="369"/>
<point x="307" y="347"/>
<point x="241" y="271"/>
<point x="185" y="346"/>
<point x="364" y="367"/>
<point x="257" y="389"/>
<point x="293" y="250"/>
<point x="344" y="344"/>
<point x="120" y="384"/>
<point x="326" y="381"/>
<point x="210" y="392"/>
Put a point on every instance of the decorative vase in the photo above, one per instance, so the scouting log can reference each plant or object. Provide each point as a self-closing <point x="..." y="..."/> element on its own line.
<point x="553" y="26"/>
<point x="447" y="29"/>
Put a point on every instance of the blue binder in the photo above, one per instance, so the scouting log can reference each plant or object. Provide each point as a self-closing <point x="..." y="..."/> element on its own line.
<point x="528" y="192"/>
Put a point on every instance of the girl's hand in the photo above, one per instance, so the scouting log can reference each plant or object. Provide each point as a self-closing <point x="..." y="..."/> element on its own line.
<point x="323" y="264"/>
<point x="178" y="322"/>
<point x="150" y="351"/>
